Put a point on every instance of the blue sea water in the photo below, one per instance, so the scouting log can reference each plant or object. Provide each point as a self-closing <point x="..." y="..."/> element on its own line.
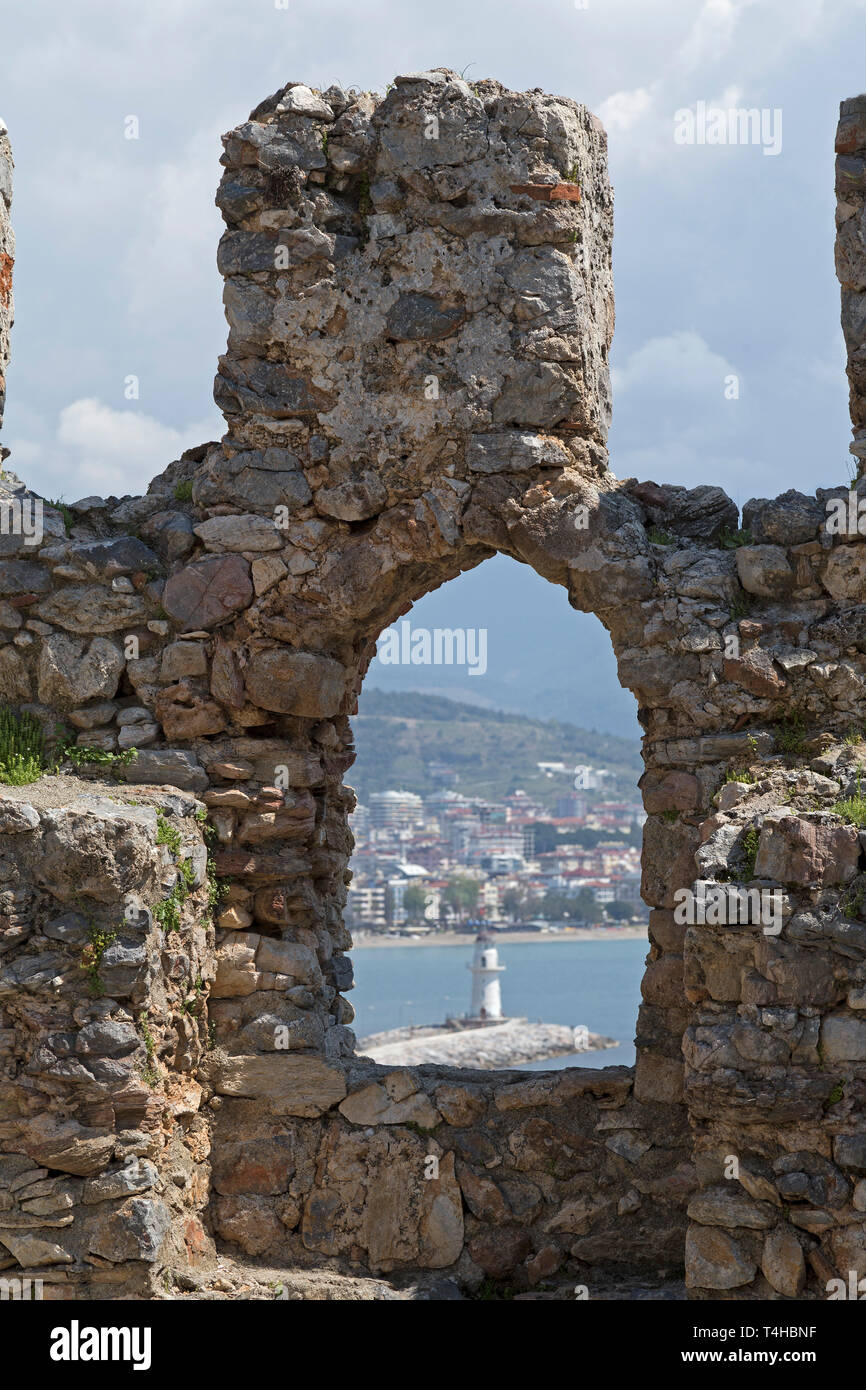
<point x="591" y="982"/>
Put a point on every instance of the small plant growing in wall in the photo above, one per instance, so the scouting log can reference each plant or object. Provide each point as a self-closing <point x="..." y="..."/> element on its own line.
<point x="217" y="888"/>
<point x="60" y="506"/>
<point x="22" y="754"/>
<point x="790" y="734"/>
<point x="658" y="536"/>
<point x="750" y="852"/>
<point x="852" y="808"/>
<point x="168" y="912"/>
<point x="852" y="904"/>
<point x="166" y="833"/>
<point x="183" y="491"/>
<point x="82" y="756"/>
<point x="91" y="957"/>
<point x="150" y="1071"/>
<point x="732" y="540"/>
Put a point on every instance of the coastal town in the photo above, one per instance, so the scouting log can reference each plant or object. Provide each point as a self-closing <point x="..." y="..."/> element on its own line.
<point x="451" y="862"/>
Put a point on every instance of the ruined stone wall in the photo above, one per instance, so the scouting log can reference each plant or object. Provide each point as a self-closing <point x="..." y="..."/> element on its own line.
<point x="7" y="256"/>
<point x="851" y="256"/>
<point x="102" y="1027"/>
<point x="420" y="310"/>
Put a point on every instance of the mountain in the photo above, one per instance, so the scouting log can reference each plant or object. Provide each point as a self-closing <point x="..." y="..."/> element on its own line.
<point x="543" y="658"/>
<point x="411" y="741"/>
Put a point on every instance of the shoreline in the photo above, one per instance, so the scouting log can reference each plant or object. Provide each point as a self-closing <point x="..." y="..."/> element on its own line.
<point x="508" y="1044"/>
<point x="363" y="940"/>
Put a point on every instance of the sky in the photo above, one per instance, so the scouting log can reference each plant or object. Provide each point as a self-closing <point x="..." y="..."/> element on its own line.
<point x="723" y="254"/>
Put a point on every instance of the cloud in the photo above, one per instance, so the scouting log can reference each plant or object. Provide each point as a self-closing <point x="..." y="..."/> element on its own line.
<point x="170" y="264"/>
<point x="96" y="449"/>
<point x="618" y="113"/>
<point x="680" y="363"/>
<point x="712" y="33"/>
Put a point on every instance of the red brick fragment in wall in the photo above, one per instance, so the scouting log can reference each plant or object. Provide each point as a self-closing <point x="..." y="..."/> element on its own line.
<point x="549" y="192"/>
<point x="6" y="264"/>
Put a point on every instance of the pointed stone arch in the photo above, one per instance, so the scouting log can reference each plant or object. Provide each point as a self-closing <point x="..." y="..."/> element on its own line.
<point x="419" y="300"/>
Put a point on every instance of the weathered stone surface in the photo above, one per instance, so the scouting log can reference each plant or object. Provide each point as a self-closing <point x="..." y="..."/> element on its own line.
<point x="70" y="671"/>
<point x="782" y="1262"/>
<point x="185" y="715"/>
<point x="843" y="1039"/>
<point x="15" y="682"/>
<point x="723" y="1206"/>
<point x="403" y="1219"/>
<point x="508" y="451"/>
<point x="794" y="849"/>
<point x="845" y="574"/>
<point x="267" y="572"/>
<point x="764" y="570"/>
<point x="292" y="1085"/>
<point x="263" y="478"/>
<point x="245" y="532"/>
<point x="208" y="591"/>
<point x="697" y="513"/>
<point x="17" y="817"/>
<point x="714" y="1260"/>
<point x="669" y="791"/>
<point x="499" y="1252"/>
<point x="755" y="672"/>
<point x="33" y="1251"/>
<point x="88" y="609"/>
<point x="295" y="683"/>
<point x="140" y="1176"/>
<point x="248" y="1222"/>
<point x="183" y="659"/>
<point x="352" y="501"/>
<point x="23" y="577"/>
<point x="172" y="767"/>
<point x="791" y="519"/>
<point x="135" y="1232"/>
<point x="96" y="847"/>
<point x="171" y="534"/>
<point x="68" y="1146"/>
<point x="396" y="1101"/>
<point x="422" y="316"/>
<point x="116" y="556"/>
<point x="226" y="682"/>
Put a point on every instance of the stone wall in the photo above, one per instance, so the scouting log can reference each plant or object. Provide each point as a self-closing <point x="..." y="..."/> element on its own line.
<point x="851" y="255"/>
<point x="102" y="1027"/>
<point x="419" y="301"/>
<point x="7" y="256"/>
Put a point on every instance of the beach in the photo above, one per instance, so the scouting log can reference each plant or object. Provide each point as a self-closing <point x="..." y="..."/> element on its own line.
<point x="634" y="932"/>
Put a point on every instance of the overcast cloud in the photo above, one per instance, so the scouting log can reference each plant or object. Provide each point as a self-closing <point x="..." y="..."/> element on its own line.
<point x="723" y="255"/>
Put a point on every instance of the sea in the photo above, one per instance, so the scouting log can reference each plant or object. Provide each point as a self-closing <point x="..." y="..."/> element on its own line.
<point x="592" y="982"/>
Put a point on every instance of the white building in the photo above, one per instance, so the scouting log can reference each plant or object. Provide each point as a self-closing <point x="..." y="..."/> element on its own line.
<point x="395" y="810"/>
<point x="485" y="968"/>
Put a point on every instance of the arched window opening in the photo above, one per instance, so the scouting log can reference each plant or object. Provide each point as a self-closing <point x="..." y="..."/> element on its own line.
<point x="495" y="900"/>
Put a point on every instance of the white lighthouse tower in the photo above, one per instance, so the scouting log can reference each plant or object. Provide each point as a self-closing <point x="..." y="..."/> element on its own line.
<point x="485" y="967"/>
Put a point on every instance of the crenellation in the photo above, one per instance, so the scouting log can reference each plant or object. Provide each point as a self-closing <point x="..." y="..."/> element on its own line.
<point x="7" y="260"/>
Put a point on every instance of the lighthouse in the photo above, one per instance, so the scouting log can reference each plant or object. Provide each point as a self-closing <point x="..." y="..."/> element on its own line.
<point x="485" y="968"/>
